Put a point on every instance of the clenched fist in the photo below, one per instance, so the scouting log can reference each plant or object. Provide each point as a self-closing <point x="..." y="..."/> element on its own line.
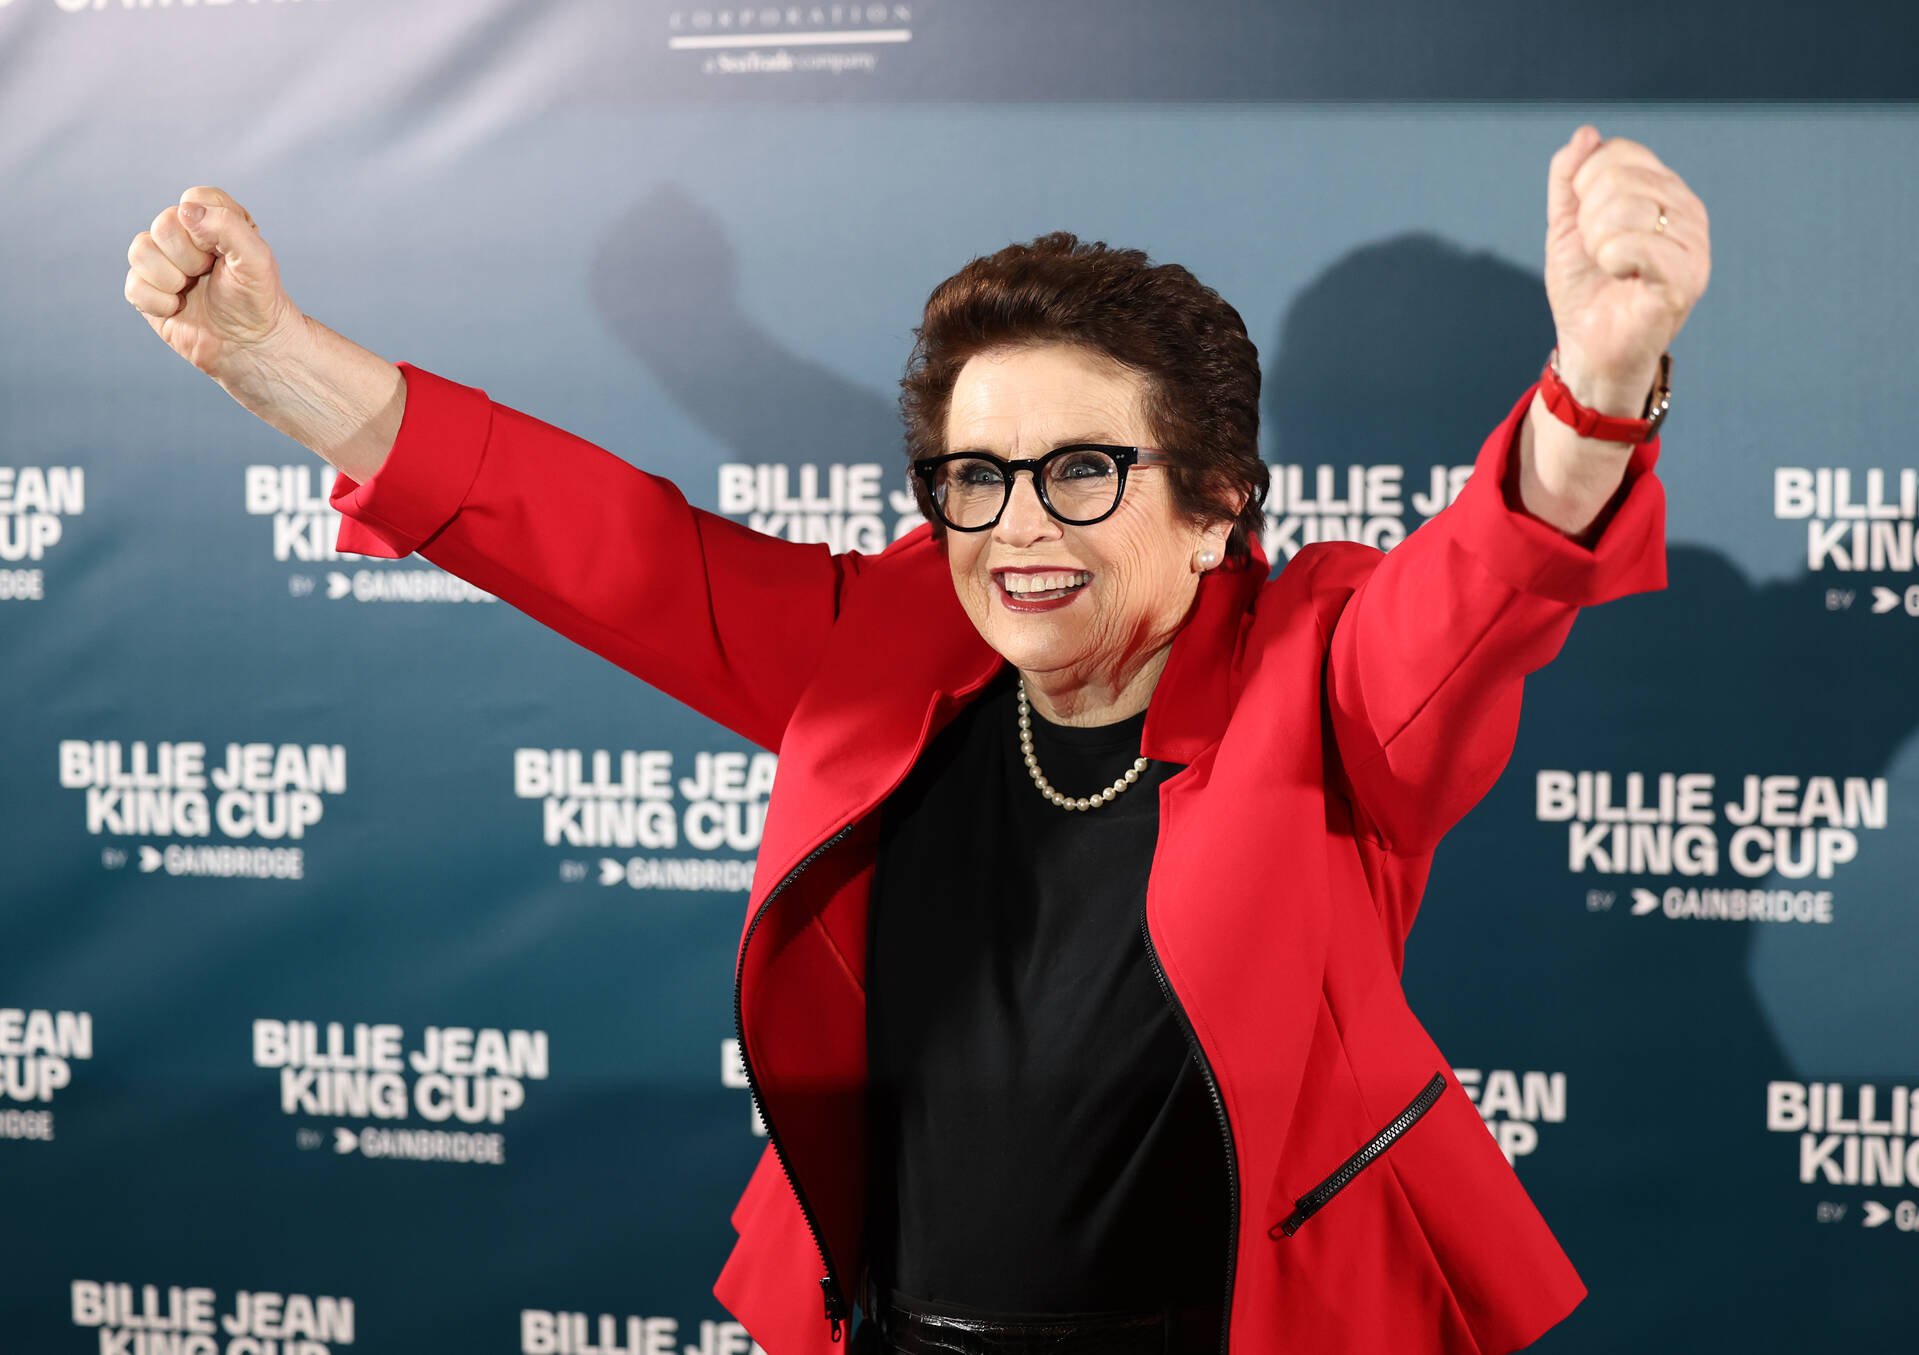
<point x="1628" y="253"/>
<point x="208" y="285"/>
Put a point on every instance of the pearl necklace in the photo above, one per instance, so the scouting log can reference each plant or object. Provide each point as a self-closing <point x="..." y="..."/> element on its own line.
<point x="1039" y="778"/>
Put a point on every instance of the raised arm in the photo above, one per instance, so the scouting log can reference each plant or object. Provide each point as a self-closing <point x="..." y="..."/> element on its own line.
<point x="728" y="620"/>
<point x="1430" y="649"/>
<point x="1428" y="655"/>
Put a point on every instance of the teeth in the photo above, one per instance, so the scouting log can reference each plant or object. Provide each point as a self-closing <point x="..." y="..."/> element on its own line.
<point x="1044" y="583"/>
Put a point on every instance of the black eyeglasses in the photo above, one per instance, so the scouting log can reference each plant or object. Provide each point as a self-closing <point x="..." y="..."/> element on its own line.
<point x="1078" y="484"/>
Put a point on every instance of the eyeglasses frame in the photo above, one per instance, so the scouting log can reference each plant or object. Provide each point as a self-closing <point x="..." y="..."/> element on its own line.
<point x="1124" y="457"/>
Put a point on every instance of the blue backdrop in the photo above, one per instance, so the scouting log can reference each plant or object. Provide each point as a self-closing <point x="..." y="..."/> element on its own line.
<point x="332" y="1007"/>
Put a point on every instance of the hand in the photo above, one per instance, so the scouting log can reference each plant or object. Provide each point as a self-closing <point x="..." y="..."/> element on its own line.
<point x="210" y="287"/>
<point x="1619" y="288"/>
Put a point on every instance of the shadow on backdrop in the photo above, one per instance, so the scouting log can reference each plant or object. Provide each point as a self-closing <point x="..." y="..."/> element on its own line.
<point x="669" y="290"/>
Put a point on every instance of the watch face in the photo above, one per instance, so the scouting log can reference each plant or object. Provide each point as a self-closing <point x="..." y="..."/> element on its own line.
<point x="1660" y="400"/>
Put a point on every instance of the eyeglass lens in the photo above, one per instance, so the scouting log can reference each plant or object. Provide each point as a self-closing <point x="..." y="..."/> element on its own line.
<point x="1080" y="485"/>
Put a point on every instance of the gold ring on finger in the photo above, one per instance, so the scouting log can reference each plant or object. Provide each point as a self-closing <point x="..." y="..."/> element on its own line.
<point x="1660" y="227"/>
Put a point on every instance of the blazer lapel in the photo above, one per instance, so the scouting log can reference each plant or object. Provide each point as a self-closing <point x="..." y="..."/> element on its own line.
<point x="1194" y="696"/>
<point x="903" y="660"/>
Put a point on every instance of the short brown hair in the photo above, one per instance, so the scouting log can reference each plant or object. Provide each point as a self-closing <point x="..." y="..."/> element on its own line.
<point x="1201" y="369"/>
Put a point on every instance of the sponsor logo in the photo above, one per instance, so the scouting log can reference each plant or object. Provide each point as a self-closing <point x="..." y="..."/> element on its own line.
<point x="456" y="1076"/>
<point x="784" y="39"/>
<point x="1858" y="1134"/>
<point x="562" y="1333"/>
<point x="1514" y="1105"/>
<point x="635" y="799"/>
<point x="150" y="1319"/>
<point x="305" y="528"/>
<point x="264" y="791"/>
<point x="35" y="501"/>
<point x="38" y="1049"/>
<point x="1852" y="525"/>
<point x="842" y="506"/>
<point x="1349" y="503"/>
<point x="1667" y="824"/>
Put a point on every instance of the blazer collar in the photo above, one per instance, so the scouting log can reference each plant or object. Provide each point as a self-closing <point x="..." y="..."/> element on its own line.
<point x="1194" y="696"/>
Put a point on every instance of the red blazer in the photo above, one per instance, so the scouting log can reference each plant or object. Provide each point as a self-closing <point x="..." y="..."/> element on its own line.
<point x="1335" y="722"/>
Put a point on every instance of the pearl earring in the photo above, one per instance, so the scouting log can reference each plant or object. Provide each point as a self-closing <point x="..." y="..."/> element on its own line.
<point x="1205" y="559"/>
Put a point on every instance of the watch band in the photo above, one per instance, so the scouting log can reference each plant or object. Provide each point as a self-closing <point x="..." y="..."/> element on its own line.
<point x="1590" y="423"/>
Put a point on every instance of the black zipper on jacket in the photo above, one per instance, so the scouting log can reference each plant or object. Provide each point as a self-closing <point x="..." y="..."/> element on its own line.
<point x="829" y="1286"/>
<point x="1225" y="1129"/>
<point x="1315" y="1199"/>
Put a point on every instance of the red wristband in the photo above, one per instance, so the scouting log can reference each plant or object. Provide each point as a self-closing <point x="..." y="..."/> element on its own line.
<point x="1590" y="423"/>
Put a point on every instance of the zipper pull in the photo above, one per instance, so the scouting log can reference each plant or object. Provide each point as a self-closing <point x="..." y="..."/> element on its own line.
<point x="835" y="1313"/>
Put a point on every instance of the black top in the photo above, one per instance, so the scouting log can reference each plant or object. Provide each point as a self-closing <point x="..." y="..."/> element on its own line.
<point x="1043" y="1140"/>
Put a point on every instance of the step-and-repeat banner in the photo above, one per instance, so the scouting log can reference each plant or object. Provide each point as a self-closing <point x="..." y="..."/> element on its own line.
<point x="366" y="950"/>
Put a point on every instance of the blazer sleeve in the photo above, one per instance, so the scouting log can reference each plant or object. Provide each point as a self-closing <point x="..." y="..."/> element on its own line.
<point x="1428" y="656"/>
<point x="728" y="620"/>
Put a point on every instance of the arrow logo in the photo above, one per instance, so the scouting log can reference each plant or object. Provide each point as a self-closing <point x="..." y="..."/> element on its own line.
<point x="149" y="857"/>
<point x="1883" y="599"/>
<point x="1643" y="902"/>
<point x="344" y="1140"/>
<point x="338" y="585"/>
<point x="1876" y="1213"/>
<point x="611" y="871"/>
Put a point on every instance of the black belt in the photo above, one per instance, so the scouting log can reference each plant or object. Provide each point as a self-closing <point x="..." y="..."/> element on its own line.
<point x="898" y="1324"/>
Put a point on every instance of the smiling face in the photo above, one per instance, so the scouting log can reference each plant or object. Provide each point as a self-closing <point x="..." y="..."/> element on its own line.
<point x="1089" y="655"/>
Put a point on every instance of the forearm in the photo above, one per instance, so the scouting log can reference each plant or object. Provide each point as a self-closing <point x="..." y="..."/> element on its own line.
<point x="1566" y="480"/>
<point x="328" y="394"/>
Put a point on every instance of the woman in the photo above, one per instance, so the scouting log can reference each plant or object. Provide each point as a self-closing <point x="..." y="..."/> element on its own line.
<point x="1069" y="985"/>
